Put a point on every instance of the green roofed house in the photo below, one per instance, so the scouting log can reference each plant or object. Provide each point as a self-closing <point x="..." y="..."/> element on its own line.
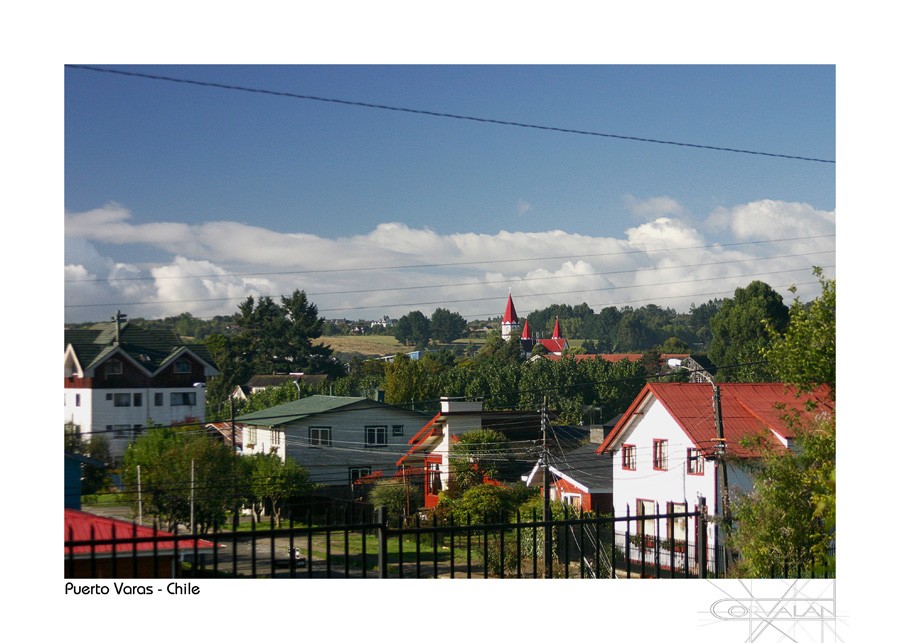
<point x="120" y="378"/>
<point x="337" y="439"/>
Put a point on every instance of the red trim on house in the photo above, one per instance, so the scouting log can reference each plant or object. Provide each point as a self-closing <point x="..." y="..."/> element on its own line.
<point x="421" y="435"/>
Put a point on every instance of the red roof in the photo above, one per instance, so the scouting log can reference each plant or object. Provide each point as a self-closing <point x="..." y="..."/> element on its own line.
<point x="370" y="477"/>
<point x="748" y="410"/>
<point x="510" y="317"/>
<point x="526" y="333"/>
<point x="556" y="333"/>
<point x="82" y="526"/>
<point x="556" y="345"/>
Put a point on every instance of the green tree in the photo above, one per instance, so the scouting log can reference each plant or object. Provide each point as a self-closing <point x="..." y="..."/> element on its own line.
<point x="413" y="328"/>
<point x="806" y="352"/>
<point x="788" y="519"/>
<point x="742" y="329"/>
<point x="180" y="469"/>
<point x="446" y="326"/>
<point x="675" y="345"/>
<point x="477" y="455"/>
<point x="272" y="483"/>
<point x="272" y="338"/>
<point x="399" y="497"/>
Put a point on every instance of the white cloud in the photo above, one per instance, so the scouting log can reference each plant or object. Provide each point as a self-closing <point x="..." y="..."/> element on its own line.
<point x="208" y="269"/>
<point x="768" y="219"/>
<point x="660" y="206"/>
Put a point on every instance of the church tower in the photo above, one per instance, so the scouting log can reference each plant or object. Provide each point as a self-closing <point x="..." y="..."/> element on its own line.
<point x="510" y="322"/>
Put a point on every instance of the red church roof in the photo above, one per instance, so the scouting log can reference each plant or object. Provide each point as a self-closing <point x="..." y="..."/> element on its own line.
<point x="510" y="317"/>
<point x="556" y="333"/>
<point x="526" y="333"/>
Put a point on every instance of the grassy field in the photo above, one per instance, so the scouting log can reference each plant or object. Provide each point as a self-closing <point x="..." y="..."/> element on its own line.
<point x="381" y="345"/>
<point x="369" y="346"/>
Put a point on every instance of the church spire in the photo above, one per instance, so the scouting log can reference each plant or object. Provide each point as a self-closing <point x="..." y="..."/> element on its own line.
<point x="510" y="319"/>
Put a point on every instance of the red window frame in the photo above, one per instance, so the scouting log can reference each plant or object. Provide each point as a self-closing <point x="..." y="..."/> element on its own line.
<point x="661" y="455"/>
<point x="629" y="457"/>
<point x="694" y="462"/>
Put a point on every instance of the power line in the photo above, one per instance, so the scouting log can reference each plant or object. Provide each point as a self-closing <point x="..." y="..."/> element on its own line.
<point x="422" y="112"/>
<point x="504" y="281"/>
<point x="451" y="264"/>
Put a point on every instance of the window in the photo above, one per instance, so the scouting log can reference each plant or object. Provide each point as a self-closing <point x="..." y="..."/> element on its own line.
<point x="183" y="399"/>
<point x="138" y="399"/>
<point x="251" y="437"/>
<point x="78" y="399"/>
<point x="677" y="527"/>
<point x="114" y="367"/>
<point x="647" y="528"/>
<point x="397" y="430"/>
<point x="276" y="437"/>
<point x="376" y="436"/>
<point x="628" y="457"/>
<point x="121" y="430"/>
<point x="121" y="399"/>
<point x="358" y="472"/>
<point x="661" y="455"/>
<point x="157" y="399"/>
<point x="320" y="436"/>
<point x="434" y="485"/>
<point x="182" y="365"/>
<point x="694" y="462"/>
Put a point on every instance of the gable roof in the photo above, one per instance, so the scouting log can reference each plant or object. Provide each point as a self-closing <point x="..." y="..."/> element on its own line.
<point x="306" y="407"/>
<point x="296" y="410"/>
<point x="151" y="349"/>
<point x="583" y="467"/>
<point x="748" y="410"/>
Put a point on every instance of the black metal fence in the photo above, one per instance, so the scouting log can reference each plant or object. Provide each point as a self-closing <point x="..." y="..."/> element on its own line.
<point x="663" y="545"/>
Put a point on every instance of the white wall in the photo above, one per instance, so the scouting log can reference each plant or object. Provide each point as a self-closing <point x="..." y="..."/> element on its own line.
<point x="96" y="413"/>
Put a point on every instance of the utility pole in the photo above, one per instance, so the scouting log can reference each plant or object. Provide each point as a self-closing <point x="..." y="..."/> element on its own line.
<point x="722" y="471"/>
<point x="192" y="496"/>
<point x="547" y="515"/>
<point x="140" y="499"/>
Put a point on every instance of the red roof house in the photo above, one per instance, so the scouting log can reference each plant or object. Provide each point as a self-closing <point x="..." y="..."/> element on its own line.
<point x="101" y="547"/>
<point x="666" y="452"/>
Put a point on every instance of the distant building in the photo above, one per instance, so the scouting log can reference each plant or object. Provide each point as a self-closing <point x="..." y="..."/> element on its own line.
<point x="510" y="323"/>
<point x="120" y="378"/>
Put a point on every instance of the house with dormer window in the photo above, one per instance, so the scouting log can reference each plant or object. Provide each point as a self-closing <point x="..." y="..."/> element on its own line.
<point x="121" y="378"/>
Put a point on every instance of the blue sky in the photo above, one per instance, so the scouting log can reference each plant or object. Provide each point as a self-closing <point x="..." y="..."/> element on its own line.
<point x="184" y="196"/>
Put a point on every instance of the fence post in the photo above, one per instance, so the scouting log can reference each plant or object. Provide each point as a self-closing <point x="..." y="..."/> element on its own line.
<point x="381" y="527"/>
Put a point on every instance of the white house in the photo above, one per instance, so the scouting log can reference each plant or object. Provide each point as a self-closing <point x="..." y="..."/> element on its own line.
<point x="120" y="378"/>
<point x="665" y="452"/>
<point x="337" y="439"/>
<point x="429" y="451"/>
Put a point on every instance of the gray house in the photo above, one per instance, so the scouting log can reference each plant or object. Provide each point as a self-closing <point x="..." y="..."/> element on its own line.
<point x="337" y="439"/>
